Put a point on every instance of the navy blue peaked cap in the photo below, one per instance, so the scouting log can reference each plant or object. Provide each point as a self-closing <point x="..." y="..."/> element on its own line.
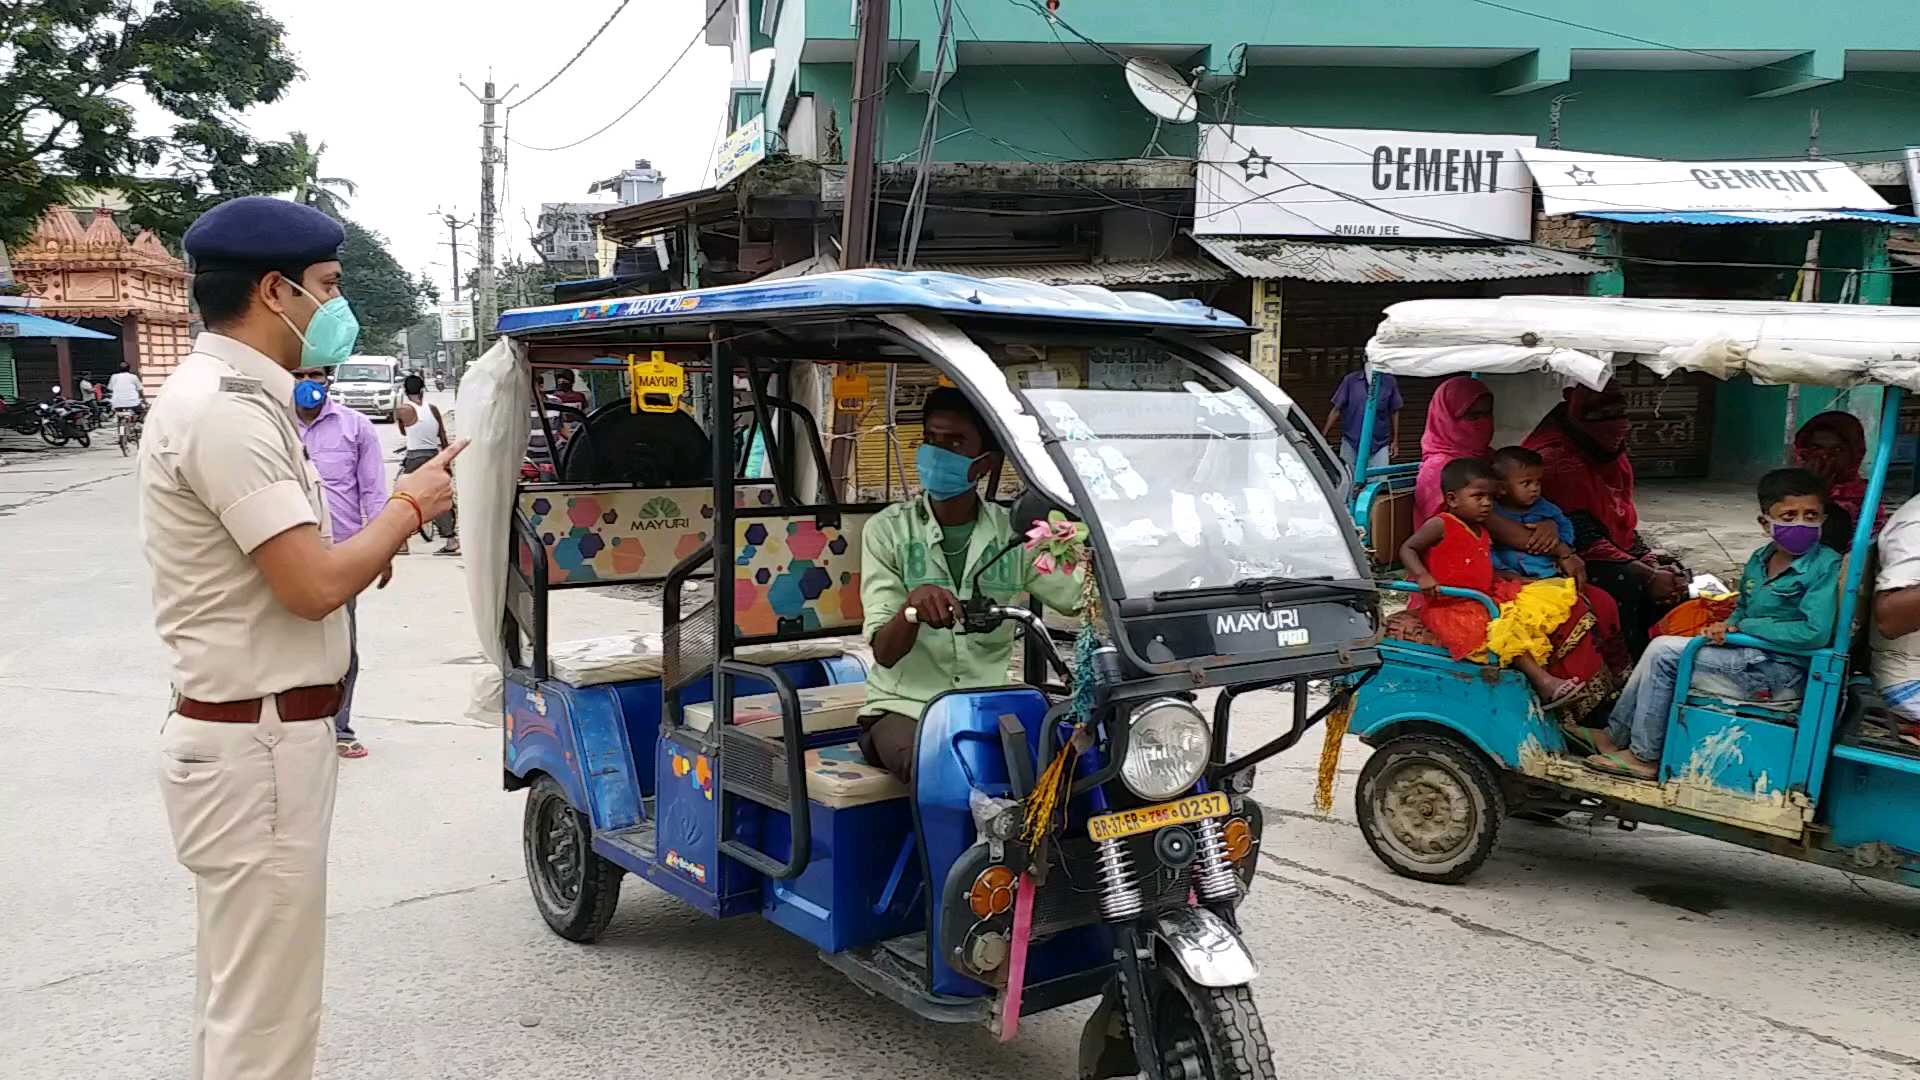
<point x="256" y="231"/>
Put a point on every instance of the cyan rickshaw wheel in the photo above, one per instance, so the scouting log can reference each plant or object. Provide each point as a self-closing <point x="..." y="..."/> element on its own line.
<point x="575" y="889"/>
<point x="1429" y="808"/>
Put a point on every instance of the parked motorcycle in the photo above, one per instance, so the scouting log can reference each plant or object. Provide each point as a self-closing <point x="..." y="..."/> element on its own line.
<point x="18" y="418"/>
<point x="63" y="421"/>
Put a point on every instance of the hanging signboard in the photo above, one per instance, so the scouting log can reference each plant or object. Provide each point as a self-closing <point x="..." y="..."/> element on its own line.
<point x="743" y="149"/>
<point x="1913" y="177"/>
<point x="1361" y="182"/>
<point x="456" y="322"/>
<point x="655" y="385"/>
<point x="1579" y="182"/>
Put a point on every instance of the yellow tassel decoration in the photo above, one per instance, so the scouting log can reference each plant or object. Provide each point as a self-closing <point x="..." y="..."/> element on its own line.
<point x="1333" y="734"/>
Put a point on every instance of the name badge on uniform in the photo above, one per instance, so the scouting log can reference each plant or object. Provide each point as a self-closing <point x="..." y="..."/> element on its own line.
<point x="234" y="385"/>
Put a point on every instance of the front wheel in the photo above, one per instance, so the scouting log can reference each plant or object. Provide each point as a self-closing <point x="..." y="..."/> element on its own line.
<point x="52" y="435"/>
<point x="1429" y="807"/>
<point x="1207" y="1032"/>
<point x="575" y="889"/>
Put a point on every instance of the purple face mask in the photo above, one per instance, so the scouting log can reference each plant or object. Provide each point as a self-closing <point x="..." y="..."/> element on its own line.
<point x="1794" y="538"/>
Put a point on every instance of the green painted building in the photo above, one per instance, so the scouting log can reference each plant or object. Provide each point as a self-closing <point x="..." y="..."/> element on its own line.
<point x="1039" y="99"/>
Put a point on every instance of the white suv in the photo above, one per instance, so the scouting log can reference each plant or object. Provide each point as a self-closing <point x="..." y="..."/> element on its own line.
<point x="370" y="385"/>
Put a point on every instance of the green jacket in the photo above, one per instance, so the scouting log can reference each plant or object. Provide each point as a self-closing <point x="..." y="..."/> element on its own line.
<point x="1796" y="609"/>
<point x="899" y="552"/>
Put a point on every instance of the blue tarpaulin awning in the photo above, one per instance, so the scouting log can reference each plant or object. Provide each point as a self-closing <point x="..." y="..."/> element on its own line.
<point x="34" y="326"/>
<point x="1747" y="217"/>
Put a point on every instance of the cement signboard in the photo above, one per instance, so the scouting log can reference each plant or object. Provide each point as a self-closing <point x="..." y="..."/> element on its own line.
<point x="1361" y="182"/>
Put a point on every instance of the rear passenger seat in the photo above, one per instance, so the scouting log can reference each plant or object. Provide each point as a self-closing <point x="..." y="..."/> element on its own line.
<point x="627" y="657"/>
<point x="837" y="776"/>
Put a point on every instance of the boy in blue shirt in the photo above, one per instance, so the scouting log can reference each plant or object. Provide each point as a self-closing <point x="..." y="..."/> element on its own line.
<point x="1519" y="469"/>
<point x="1789" y="596"/>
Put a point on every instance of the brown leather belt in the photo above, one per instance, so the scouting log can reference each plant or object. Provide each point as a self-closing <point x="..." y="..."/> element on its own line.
<point x="299" y="703"/>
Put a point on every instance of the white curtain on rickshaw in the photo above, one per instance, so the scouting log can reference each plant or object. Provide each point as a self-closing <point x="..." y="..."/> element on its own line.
<point x="492" y="410"/>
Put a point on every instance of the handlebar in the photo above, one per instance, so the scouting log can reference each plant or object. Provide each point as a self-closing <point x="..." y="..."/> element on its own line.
<point x="1493" y="609"/>
<point x="978" y="616"/>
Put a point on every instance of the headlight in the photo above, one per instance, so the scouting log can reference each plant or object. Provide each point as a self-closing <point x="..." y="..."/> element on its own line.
<point x="1168" y="743"/>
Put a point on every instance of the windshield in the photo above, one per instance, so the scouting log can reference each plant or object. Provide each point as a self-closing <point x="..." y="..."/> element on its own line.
<point x="364" y="373"/>
<point x="1192" y="483"/>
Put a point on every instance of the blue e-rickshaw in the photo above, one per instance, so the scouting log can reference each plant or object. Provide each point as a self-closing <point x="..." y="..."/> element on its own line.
<point x="716" y="760"/>
<point x="1460" y="746"/>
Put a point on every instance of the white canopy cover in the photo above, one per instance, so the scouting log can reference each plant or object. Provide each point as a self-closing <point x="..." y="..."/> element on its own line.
<point x="1583" y="338"/>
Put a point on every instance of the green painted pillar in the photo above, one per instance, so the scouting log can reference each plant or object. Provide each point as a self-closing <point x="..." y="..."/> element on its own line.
<point x="1608" y="282"/>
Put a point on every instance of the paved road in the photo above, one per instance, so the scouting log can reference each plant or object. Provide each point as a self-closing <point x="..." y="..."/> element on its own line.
<point x="1576" y="951"/>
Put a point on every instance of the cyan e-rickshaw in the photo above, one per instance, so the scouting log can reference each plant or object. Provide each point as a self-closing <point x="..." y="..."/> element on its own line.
<point x="1460" y="746"/>
<point x="1079" y="834"/>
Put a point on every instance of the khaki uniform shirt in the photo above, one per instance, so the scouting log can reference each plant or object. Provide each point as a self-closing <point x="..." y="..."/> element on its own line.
<point x="222" y="471"/>
<point x="899" y="552"/>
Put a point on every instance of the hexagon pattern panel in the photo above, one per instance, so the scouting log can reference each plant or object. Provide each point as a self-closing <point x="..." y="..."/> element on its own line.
<point x="615" y="535"/>
<point x="795" y="574"/>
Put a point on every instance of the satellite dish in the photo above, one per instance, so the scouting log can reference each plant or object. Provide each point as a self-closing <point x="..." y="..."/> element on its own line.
<point x="1161" y="90"/>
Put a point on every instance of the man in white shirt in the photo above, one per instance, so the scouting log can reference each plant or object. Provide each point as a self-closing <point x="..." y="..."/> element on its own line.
<point x="1896" y="613"/>
<point x="123" y="389"/>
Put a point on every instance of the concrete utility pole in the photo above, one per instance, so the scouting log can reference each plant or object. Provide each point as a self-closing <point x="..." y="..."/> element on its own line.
<point x="483" y="313"/>
<point x="869" y="101"/>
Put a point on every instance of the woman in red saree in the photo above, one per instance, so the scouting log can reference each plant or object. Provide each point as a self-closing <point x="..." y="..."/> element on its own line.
<point x="1832" y="446"/>
<point x="1587" y="475"/>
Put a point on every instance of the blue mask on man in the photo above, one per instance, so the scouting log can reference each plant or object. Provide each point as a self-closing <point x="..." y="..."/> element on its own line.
<point x="309" y="393"/>
<point x="943" y="473"/>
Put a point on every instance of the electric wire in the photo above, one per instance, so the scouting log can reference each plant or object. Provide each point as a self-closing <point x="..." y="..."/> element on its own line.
<point x="622" y="6"/>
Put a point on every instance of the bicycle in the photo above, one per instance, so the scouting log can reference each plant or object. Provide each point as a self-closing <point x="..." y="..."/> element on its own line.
<point x="127" y="425"/>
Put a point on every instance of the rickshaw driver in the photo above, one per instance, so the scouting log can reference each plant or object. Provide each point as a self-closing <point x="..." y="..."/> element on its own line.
<point x="912" y="598"/>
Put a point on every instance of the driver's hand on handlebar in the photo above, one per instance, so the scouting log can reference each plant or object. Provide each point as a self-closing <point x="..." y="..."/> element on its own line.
<point x="936" y="606"/>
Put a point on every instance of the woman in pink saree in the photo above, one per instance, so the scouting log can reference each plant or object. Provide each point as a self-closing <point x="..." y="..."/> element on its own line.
<point x="1459" y="424"/>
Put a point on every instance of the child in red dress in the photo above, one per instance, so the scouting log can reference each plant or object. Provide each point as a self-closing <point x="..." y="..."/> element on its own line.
<point x="1452" y="548"/>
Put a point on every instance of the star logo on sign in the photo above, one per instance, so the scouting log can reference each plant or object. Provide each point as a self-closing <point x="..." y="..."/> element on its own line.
<point x="1255" y="164"/>
<point x="1581" y="177"/>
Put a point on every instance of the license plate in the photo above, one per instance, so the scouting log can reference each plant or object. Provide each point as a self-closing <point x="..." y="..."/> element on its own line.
<point x="1148" y="818"/>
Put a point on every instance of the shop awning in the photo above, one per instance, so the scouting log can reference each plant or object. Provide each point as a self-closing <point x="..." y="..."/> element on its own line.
<point x="14" y="324"/>
<point x="1747" y="217"/>
<point x="1319" y="260"/>
<point x="1118" y="274"/>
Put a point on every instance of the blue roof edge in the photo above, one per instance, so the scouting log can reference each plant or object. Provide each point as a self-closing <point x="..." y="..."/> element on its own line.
<point x="880" y="291"/>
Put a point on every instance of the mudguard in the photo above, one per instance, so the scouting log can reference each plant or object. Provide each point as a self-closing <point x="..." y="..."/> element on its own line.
<point x="1205" y="947"/>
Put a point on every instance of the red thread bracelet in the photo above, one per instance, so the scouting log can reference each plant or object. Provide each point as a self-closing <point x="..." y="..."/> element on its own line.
<point x="419" y="515"/>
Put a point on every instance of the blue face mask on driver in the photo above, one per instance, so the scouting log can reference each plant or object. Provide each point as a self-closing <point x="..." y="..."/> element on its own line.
<point x="309" y="393"/>
<point x="943" y="473"/>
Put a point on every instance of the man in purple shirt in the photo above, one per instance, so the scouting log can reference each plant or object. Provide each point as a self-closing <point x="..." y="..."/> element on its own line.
<point x="1350" y="410"/>
<point x="345" y="450"/>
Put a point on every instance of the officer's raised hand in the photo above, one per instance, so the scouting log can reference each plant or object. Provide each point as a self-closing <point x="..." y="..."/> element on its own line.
<point x="432" y="483"/>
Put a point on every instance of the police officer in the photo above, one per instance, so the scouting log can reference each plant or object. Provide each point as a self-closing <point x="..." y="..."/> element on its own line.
<point x="249" y="597"/>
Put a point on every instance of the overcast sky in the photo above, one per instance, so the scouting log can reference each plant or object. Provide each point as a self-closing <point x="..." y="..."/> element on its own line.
<point x="382" y="90"/>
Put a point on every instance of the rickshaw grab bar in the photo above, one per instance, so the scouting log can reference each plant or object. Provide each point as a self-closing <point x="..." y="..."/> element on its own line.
<point x="1493" y="609"/>
<point x="799" y="811"/>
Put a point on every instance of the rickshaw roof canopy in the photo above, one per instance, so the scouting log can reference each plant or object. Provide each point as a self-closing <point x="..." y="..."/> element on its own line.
<point x="877" y="291"/>
<point x="1583" y="338"/>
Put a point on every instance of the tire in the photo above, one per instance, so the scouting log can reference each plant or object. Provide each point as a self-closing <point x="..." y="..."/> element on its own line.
<point x="125" y="442"/>
<point x="1207" y="1033"/>
<point x="574" y="889"/>
<point x="85" y="440"/>
<point x="51" y="436"/>
<point x="1429" y="807"/>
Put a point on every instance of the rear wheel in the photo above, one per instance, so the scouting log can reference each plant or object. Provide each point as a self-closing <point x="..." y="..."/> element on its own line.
<point x="575" y="889"/>
<point x="1429" y="807"/>
<point x="1206" y="1032"/>
<point x="84" y="439"/>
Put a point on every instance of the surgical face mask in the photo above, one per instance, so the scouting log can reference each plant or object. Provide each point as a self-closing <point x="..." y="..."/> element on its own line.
<point x="1794" y="538"/>
<point x="330" y="334"/>
<point x="943" y="473"/>
<point x="309" y="393"/>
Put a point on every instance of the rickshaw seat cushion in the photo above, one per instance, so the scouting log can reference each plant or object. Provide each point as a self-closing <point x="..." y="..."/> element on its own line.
<point x="1389" y="524"/>
<point x="633" y="657"/>
<point x="822" y="708"/>
<point x="837" y="776"/>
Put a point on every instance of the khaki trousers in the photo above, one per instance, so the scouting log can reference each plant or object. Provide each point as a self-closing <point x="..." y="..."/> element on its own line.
<point x="251" y="806"/>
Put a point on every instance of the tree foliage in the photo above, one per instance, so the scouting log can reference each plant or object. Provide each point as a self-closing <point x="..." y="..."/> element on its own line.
<point x="386" y="299"/>
<point x="67" y="71"/>
<point x="323" y="193"/>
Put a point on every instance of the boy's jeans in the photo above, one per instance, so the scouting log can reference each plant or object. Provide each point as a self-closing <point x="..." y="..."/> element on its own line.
<point x="1639" y="720"/>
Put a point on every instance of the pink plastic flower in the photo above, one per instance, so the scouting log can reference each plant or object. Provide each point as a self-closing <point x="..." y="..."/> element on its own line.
<point x="1043" y="563"/>
<point x="1065" y="530"/>
<point x="1039" y="534"/>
